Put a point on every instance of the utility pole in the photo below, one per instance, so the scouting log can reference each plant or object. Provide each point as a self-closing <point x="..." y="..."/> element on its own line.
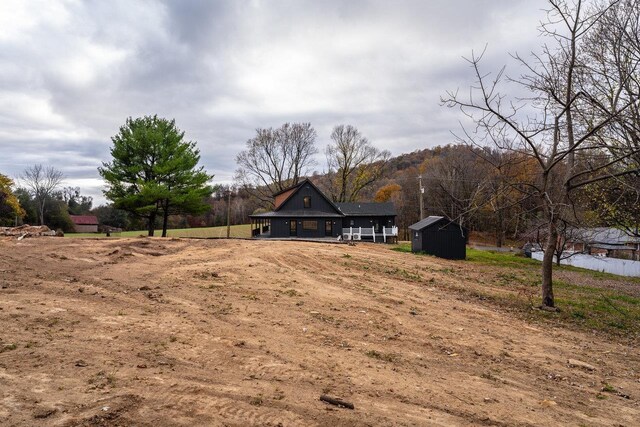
<point x="229" y="214"/>
<point x="421" y="196"/>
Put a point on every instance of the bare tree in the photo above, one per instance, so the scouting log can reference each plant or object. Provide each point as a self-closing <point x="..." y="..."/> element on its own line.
<point x="41" y="182"/>
<point x="353" y="162"/>
<point x="455" y="184"/>
<point x="276" y="158"/>
<point x="616" y="63"/>
<point x="504" y="174"/>
<point x="563" y="124"/>
<point x="617" y="203"/>
<point x="613" y="49"/>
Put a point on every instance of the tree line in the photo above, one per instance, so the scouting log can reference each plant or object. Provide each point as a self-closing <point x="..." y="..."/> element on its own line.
<point x="39" y="200"/>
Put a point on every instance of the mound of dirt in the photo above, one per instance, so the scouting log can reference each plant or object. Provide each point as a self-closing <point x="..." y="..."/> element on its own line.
<point x="236" y="332"/>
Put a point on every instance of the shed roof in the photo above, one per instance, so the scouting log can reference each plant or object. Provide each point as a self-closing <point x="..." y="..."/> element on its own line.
<point x="426" y="222"/>
<point x="374" y="209"/>
<point x="84" y="219"/>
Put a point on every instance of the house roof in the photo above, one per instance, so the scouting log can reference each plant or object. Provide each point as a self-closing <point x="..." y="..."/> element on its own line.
<point x="359" y="209"/>
<point x="290" y="188"/>
<point x="604" y="235"/>
<point x="424" y="223"/>
<point x="341" y="209"/>
<point x="297" y="188"/>
<point x="84" y="219"/>
<point x="614" y="247"/>
<point x="296" y="214"/>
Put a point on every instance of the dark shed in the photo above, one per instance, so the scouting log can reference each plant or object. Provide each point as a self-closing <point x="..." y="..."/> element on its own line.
<point x="436" y="235"/>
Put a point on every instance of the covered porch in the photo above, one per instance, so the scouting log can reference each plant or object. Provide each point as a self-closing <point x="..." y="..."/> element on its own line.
<point x="357" y="233"/>
<point x="260" y="227"/>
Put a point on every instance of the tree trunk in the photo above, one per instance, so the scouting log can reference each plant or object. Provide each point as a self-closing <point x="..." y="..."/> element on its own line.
<point x="165" y="219"/>
<point x="515" y="231"/>
<point x="500" y="228"/>
<point x="42" y="213"/>
<point x="547" y="267"/>
<point x="229" y="215"/>
<point x="152" y="223"/>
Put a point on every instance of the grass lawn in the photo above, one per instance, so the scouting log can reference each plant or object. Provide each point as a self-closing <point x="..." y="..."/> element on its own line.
<point x="588" y="299"/>
<point x="243" y="230"/>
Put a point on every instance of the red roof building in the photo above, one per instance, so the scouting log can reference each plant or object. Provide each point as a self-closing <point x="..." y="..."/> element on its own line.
<point x="85" y="223"/>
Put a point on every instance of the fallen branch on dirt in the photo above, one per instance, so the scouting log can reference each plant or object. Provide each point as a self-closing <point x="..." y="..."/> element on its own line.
<point x="579" y="364"/>
<point x="336" y="401"/>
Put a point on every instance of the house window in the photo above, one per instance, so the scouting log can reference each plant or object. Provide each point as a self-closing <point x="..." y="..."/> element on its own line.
<point x="310" y="225"/>
<point x="352" y="223"/>
<point x="307" y="202"/>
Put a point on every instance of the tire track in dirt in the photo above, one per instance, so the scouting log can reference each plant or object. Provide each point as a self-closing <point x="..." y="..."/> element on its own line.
<point x="231" y="409"/>
<point x="267" y="368"/>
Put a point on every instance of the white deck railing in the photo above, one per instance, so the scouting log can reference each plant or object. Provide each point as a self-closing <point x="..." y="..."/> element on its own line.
<point x="357" y="233"/>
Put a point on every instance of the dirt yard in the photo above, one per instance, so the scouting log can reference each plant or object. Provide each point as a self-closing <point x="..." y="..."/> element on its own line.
<point x="152" y="332"/>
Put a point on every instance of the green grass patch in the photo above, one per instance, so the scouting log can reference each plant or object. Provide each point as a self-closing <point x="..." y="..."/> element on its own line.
<point x="402" y="247"/>
<point x="8" y="347"/>
<point x="596" y="308"/>
<point x="243" y="230"/>
<point x="507" y="259"/>
<point x="503" y="259"/>
<point x="513" y="281"/>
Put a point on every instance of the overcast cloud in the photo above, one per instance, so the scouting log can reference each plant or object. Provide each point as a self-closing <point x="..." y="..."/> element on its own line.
<point x="71" y="72"/>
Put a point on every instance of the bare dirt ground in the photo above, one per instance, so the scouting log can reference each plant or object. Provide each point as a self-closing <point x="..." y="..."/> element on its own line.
<point x="151" y="332"/>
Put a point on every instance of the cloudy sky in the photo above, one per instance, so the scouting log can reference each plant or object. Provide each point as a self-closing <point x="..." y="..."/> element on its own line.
<point x="71" y="72"/>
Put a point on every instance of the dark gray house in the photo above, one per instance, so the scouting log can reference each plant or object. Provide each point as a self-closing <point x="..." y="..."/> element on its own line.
<point x="436" y="235"/>
<point x="304" y="211"/>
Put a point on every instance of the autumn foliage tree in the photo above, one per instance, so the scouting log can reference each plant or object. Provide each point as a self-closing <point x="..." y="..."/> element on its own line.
<point x="384" y="194"/>
<point x="10" y="208"/>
